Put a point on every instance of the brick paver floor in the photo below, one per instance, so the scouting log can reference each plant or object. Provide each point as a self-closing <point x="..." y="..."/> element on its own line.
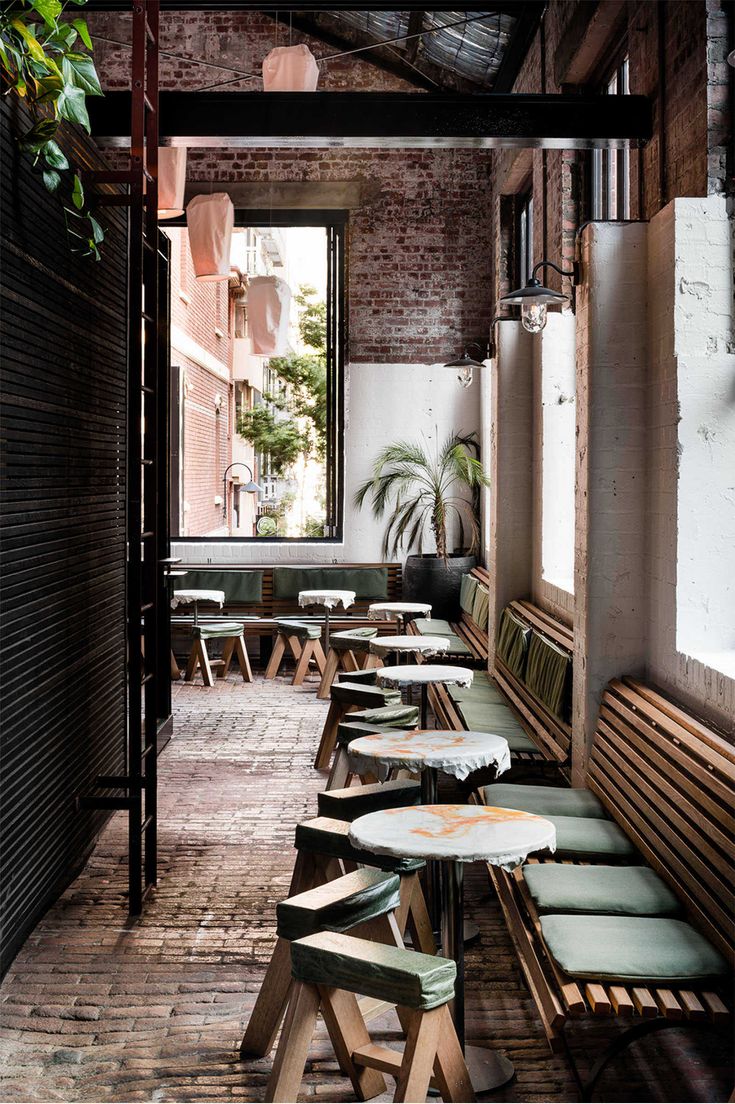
<point x="96" y="1009"/>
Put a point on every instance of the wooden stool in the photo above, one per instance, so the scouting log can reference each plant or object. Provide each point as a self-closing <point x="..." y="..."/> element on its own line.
<point x="232" y="634"/>
<point x="304" y="643"/>
<point x="328" y="969"/>
<point x="365" y="722"/>
<point x="346" y="697"/>
<point x="349" y="650"/>
<point x="355" y="801"/>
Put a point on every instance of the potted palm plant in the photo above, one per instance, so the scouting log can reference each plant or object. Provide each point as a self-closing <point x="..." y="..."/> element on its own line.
<point x="421" y="492"/>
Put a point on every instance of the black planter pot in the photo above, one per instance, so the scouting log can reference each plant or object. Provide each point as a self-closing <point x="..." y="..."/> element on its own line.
<point x="429" y="579"/>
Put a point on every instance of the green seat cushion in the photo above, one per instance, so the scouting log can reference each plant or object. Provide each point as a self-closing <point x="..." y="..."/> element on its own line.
<point x="371" y="697"/>
<point x="630" y="949"/>
<point x="479" y="717"/>
<point x="482" y="689"/>
<point x="347" y="731"/>
<point x="439" y="627"/>
<point x="353" y="640"/>
<point x="512" y="645"/>
<point x="298" y="628"/>
<point x="397" y="716"/>
<point x="545" y="800"/>
<point x="354" y="801"/>
<point x="467" y="590"/>
<point x="406" y="978"/>
<point x="548" y="674"/>
<point x="240" y="587"/>
<point x="340" y="904"/>
<point x="481" y="607"/>
<point x="589" y="838"/>
<point x="331" y="837"/>
<point x="212" y="632"/>
<point x="617" y="890"/>
<point x="367" y="582"/>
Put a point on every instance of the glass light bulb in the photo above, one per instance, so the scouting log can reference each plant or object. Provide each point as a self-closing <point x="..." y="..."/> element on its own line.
<point x="465" y="376"/>
<point x="533" y="317"/>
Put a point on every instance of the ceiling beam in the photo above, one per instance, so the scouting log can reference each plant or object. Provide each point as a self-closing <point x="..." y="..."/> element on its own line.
<point x="507" y="7"/>
<point x="312" y="120"/>
<point x="415" y="25"/>
<point x="527" y="23"/>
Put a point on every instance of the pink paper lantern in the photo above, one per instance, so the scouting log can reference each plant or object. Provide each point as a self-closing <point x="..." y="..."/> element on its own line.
<point x="290" y="69"/>
<point x="269" y="310"/>
<point x="210" y="219"/>
<point x="171" y="181"/>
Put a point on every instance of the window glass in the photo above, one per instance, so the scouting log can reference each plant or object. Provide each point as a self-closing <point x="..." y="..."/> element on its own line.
<point x="610" y="168"/>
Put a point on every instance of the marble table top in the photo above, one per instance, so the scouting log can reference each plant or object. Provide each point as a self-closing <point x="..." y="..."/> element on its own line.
<point x="427" y="645"/>
<point x="455" y="753"/>
<point x="385" y="611"/>
<point x="183" y="597"/>
<point x="418" y="674"/>
<point x="328" y="598"/>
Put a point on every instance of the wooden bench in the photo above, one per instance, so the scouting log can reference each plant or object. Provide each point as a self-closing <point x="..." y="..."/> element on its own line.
<point x="668" y="780"/>
<point x="471" y="634"/>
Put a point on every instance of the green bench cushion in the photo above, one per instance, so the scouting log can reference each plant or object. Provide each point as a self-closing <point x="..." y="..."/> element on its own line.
<point x="482" y="689"/>
<point x="353" y="640"/>
<point x="467" y="590"/>
<point x="331" y="837"/>
<point x="371" y="697"/>
<point x="240" y="587"/>
<point x="481" y="607"/>
<point x="647" y="950"/>
<point x="512" y="646"/>
<point x="439" y="627"/>
<point x="406" y="978"/>
<point x="212" y="632"/>
<point x="617" y="890"/>
<point x="354" y="801"/>
<point x="479" y="717"/>
<point x="339" y="904"/>
<point x="367" y="582"/>
<point x="298" y="628"/>
<point x="545" y="800"/>
<point x="548" y="674"/>
<point x="589" y="837"/>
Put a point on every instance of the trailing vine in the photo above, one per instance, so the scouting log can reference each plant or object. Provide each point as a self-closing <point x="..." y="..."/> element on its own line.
<point x="44" y="60"/>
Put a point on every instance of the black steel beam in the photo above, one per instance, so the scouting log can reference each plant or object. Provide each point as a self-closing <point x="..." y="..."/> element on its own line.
<point x="382" y="120"/>
<point x="527" y="23"/>
<point x="508" y="7"/>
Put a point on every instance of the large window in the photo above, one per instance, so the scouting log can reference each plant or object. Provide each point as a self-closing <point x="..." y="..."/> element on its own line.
<point x="257" y="375"/>
<point x="610" y="197"/>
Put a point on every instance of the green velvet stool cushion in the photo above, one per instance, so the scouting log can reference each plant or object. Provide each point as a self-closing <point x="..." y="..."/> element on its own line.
<point x="355" y="801"/>
<point x="371" y="697"/>
<point x="332" y="838"/>
<point x="631" y="949"/>
<point x="616" y="890"/>
<point x="339" y="904"/>
<point x="365" y="678"/>
<point x="349" y="731"/>
<point x="406" y="978"/>
<point x="395" y="716"/>
<point x="512" y="647"/>
<point x="213" y="632"/>
<point x="298" y="628"/>
<point x="467" y="590"/>
<point x="481" y="607"/>
<point x="479" y="717"/>
<point x="548" y="674"/>
<point x="367" y="582"/>
<point x="353" y="640"/>
<point x="545" y="800"/>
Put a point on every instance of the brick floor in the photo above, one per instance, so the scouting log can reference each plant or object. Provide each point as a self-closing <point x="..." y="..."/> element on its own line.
<point x="95" y="1009"/>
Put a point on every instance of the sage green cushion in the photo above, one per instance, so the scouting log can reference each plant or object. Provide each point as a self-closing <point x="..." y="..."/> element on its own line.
<point x="590" y="838"/>
<point x="339" y="904"/>
<point x="331" y="837"/>
<point x="347" y="731"/>
<point x="354" y="801"/>
<point x="439" y="627"/>
<point x="298" y="628"/>
<point x="353" y="640"/>
<point x="371" y="697"/>
<point x="212" y="632"/>
<point x="545" y="800"/>
<point x="467" y="589"/>
<point x="481" y="607"/>
<point x="397" y="716"/>
<point x="617" y="890"/>
<point x="630" y="949"/>
<point x="406" y="978"/>
<point x="367" y="582"/>
<point x="512" y="646"/>
<point x="240" y="587"/>
<point x="482" y="689"/>
<point x="548" y="674"/>
<point x="479" y="717"/>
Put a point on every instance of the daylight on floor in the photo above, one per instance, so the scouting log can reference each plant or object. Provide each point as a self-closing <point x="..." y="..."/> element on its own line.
<point x="367" y="639"/>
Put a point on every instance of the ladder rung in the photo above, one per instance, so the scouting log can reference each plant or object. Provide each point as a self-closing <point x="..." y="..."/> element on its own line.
<point x="147" y="245"/>
<point x="148" y="103"/>
<point x="149" y="32"/>
<point x="148" y="317"/>
<point x="147" y="605"/>
<point x="148" y="390"/>
<point x="146" y="463"/>
<point x="147" y="535"/>
<point x="147" y="822"/>
<point x="147" y="678"/>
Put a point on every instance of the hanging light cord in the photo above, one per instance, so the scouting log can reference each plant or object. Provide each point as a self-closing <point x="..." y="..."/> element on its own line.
<point x="242" y="75"/>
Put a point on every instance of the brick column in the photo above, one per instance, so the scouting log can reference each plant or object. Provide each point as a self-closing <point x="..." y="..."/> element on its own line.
<point x="610" y="594"/>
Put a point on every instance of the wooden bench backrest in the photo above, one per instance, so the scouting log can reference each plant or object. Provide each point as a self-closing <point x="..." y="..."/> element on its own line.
<point x="669" y="781"/>
<point x="552" y="734"/>
<point x="477" y="635"/>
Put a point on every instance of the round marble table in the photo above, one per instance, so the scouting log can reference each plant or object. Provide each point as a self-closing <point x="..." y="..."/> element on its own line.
<point x="408" y="645"/>
<point x="455" y="835"/>
<point x="186" y="597"/>
<point x="423" y="675"/>
<point x="328" y="599"/>
<point x="402" y="612"/>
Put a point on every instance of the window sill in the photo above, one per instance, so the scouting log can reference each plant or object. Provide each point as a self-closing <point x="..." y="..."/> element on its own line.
<point x="722" y="662"/>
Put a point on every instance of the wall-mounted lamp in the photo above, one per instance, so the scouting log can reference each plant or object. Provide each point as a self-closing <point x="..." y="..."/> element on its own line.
<point x="466" y="364"/>
<point x="251" y="487"/>
<point x="534" y="298"/>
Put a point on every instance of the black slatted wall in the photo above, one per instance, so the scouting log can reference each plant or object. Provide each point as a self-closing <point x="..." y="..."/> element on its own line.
<point x="62" y="535"/>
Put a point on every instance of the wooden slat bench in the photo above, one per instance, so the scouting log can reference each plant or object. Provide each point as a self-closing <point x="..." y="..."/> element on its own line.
<point x="469" y="632"/>
<point x="668" y="781"/>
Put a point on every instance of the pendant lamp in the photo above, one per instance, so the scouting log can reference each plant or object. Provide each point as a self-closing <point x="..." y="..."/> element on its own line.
<point x="210" y="219"/>
<point x="171" y="181"/>
<point x="290" y="69"/>
<point x="269" y="311"/>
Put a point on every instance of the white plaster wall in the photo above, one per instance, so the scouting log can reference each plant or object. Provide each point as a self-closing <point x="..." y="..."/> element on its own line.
<point x="556" y="350"/>
<point x="383" y="403"/>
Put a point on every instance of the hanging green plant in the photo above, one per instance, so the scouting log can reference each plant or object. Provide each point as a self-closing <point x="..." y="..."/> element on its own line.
<point x="41" y="60"/>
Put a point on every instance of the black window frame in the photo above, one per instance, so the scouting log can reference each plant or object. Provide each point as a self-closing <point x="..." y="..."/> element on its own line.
<point x="336" y="223"/>
<point x="523" y="235"/>
<point x="610" y="191"/>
